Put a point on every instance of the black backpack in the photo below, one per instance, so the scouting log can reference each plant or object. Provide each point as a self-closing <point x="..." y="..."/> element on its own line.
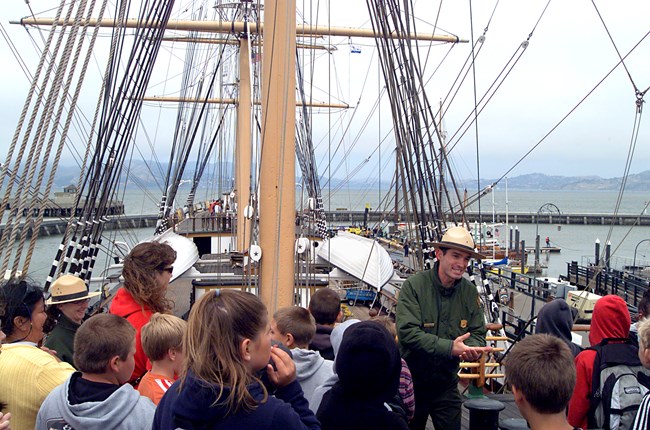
<point x="618" y="385"/>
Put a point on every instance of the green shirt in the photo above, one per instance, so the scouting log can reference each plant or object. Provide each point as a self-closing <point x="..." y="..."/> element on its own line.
<point x="61" y="338"/>
<point x="429" y="317"/>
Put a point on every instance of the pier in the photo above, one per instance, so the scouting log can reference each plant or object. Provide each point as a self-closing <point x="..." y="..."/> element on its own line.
<point x="345" y="216"/>
<point x="57" y="226"/>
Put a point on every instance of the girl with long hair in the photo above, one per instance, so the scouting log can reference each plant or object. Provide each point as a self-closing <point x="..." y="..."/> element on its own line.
<point x="227" y="341"/>
<point x="147" y="271"/>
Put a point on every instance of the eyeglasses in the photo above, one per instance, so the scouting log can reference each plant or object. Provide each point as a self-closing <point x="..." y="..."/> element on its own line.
<point x="169" y="269"/>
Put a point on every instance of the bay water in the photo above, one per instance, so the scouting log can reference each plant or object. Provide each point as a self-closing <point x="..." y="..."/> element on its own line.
<point x="628" y="244"/>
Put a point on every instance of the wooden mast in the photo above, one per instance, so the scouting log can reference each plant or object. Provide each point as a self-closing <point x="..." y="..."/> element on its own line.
<point x="243" y="147"/>
<point x="170" y="99"/>
<point x="304" y="30"/>
<point x="277" y="165"/>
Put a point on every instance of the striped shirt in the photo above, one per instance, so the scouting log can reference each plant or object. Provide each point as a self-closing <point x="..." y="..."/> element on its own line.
<point x="642" y="420"/>
<point x="154" y="386"/>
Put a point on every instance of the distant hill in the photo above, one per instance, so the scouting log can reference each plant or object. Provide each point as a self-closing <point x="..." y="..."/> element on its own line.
<point x="531" y="181"/>
<point x="540" y="181"/>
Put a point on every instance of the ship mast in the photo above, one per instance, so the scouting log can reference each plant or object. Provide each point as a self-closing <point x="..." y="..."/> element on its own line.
<point x="277" y="165"/>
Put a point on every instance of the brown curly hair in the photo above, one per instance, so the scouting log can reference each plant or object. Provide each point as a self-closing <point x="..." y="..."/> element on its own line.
<point x="139" y="272"/>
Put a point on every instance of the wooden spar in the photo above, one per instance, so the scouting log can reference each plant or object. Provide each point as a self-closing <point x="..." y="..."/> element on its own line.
<point x="328" y="48"/>
<point x="235" y="101"/>
<point x="277" y="165"/>
<point x="303" y="30"/>
<point x="243" y="147"/>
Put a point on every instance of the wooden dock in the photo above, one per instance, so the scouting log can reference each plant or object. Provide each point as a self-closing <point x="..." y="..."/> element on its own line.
<point x="357" y="217"/>
<point x="544" y="249"/>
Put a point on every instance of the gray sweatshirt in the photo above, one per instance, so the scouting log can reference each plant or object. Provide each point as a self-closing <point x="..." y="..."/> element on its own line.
<point x="124" y="409"/>
<point x="312" y="370"/>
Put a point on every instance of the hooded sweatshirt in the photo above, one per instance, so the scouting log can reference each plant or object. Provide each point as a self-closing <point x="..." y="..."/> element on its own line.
<point x="190" y="407"/>
<point x="336" y="337"/>
<point x="312" y="370"/>
<point x="125" y="306"/>
<point x="610" y="319"/>
<point x="555" y="318"/>
<point x="123" y="409"/>
<point x="368" y="365"/>
<point x="321" y="341"/>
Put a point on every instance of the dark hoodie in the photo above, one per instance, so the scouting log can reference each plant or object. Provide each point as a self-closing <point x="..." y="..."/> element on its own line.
<point x="190" y="408"/>
<point x="610" y="319"/>
<point x="555" y="318"/>
<point x="322" y="343"/>
<point x="368" y="366"/>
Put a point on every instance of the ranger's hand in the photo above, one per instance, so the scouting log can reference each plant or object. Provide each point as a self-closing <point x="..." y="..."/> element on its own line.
<point x="467" y="353"/>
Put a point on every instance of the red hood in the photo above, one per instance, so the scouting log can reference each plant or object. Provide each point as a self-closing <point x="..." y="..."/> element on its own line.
<point x="124" y="304"/>
<point x="611" y="318"/>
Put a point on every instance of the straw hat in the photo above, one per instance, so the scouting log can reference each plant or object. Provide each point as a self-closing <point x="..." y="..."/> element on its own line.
<point x="67" y="289"/>
<point x="460" y="239"/>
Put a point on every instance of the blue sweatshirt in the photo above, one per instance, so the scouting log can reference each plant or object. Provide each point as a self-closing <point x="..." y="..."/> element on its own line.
<point x="191" y="409"/>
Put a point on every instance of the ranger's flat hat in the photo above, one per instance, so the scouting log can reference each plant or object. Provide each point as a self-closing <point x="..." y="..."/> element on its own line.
<point x="458" y="238"/>
<point x="68" y="288"/>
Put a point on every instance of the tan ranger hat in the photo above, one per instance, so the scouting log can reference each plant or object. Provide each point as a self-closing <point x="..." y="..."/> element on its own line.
<point x="68" y="288"/>
<point x="460" y="239"/>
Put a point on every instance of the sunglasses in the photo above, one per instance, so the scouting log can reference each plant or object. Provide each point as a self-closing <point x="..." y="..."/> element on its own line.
<point x="169" y="269"/>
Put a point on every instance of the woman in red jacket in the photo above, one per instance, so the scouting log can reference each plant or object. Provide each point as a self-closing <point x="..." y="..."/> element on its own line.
<point x="147" y="272"/>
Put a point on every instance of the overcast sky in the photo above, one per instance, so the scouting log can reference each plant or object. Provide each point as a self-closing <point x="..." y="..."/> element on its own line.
<point x="569" y="53"/>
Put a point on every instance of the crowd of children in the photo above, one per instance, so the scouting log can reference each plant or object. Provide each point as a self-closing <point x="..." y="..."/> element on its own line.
<point x="227" y="367"/>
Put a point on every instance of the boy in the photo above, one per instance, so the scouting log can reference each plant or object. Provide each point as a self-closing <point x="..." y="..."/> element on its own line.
<point x="98" y="397"/>
<point x="642" y="420"/>
<point x="294" y="327"/>
<point x="162" y="339"/>
<point x="325" y="306"/>
<point x="542" y="401"/>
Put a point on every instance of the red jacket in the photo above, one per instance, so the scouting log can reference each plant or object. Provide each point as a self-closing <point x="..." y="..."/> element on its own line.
<point x="610" y="318"/>
<point x="124" y="305"/>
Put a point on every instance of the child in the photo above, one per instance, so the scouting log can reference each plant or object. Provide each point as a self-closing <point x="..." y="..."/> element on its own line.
<point x="162" y="339"/>
<point x="642" y="420"/>
<point x="610" y="320"/>
<point x="555" y="318"/>
<point x="405" y="396"/>
<point x="368" y="366"/>
<point x="227" y="340"/>
<point x="295" y="327"/>
<point x="542" y="401"/>
<point x="98" y="396"/>
<point x="325" y="306"/>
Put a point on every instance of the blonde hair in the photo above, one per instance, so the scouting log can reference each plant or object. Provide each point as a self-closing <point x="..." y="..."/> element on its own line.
<point x="644" y="333"/>
<point x="219" y="322"/>
<point x="162" y="332"/>
<point x="298" y="322"/>
<point x="387" y="323"/>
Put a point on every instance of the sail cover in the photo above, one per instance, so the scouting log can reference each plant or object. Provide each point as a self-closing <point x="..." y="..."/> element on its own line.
<point x="361" y="257"/>
<point x="186" y="252"/>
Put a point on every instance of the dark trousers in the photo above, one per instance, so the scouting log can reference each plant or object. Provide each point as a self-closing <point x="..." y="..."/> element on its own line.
<point x="441" y="401"/>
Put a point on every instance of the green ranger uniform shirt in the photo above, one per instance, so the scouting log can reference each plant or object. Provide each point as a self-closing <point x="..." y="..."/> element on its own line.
<point x="61" y="339"/>
<point x="429" y="317"/>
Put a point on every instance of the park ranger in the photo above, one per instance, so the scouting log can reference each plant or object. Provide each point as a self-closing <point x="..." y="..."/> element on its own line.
<point x="440" y="322"/>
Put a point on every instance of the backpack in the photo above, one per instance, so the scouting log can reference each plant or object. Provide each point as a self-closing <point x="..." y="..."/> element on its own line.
<point x="618" y="385"/>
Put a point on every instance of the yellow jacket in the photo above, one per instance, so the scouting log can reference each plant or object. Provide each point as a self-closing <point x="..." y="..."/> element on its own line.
<point x="28" y="376"/>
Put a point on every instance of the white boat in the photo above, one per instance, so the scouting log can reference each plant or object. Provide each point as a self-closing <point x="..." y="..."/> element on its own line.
<point x="361" y="257"/>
